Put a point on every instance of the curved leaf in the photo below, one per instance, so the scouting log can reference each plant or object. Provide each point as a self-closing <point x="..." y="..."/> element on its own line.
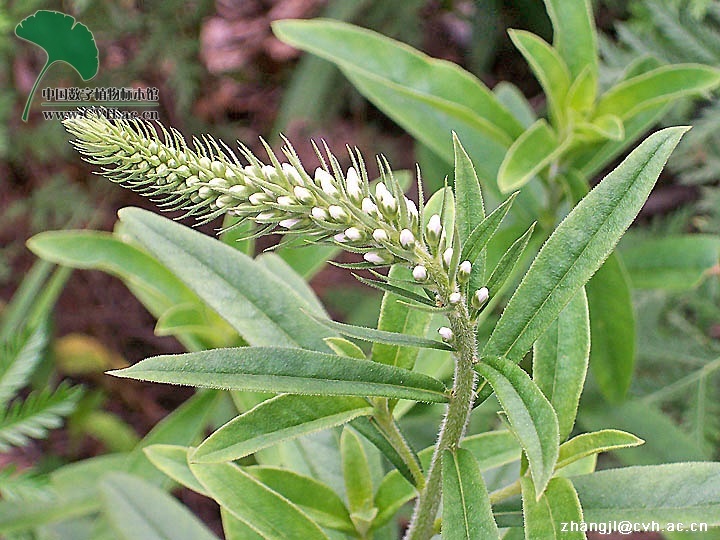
<point x="596" y="442"/>
<point x="546" y="515"/>
<point x="574" y="34"/>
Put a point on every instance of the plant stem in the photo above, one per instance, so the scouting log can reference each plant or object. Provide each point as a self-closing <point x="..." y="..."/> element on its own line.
<point x="457" y="412"/>
<point x="389" y="427"/>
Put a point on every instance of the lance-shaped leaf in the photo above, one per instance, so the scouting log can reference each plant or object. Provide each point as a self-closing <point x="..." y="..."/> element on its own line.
<point x="258" y="304"/>
<point x="64" y="40"/>
<point x="545" y="515"/>
<point x="596" y="442"/>
<point x="264" y="510"/>
<point x="661" y="85"/>
<point x="579" y="245"/>
<point x="574" y="34"/>
<point x="295" y="371"/>
<point x="469" y="205"/>
<point x="549" y="68"/>
<point x="137" y="509"/>
<point x="530" y="414"/>
<point x="382" y="336"/>
<point x="529" y="155"/>
<point x="560" y="361"/>
<point x="173" y="461"/>
<point x="466" y="513"/>
<point x="675" y="492"/>
<point x="485" y="230"/>
<point x="358" y="481"/>
<point x="507" y="263"/>
<point x="275" y="420"/>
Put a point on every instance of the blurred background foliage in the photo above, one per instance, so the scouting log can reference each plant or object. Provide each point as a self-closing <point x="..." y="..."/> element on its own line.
<point x="220" y="70"/>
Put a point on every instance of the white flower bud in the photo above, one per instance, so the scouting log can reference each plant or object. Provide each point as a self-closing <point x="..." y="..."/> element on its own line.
<point x="266" y="216"/>
<point x="420" y="273"/>
<point x="303" y="194"/>
<point x="434" y="225"/>
<point x="326" y="181"/>
<point x="447" y="256"/>
<point x="381" y="190"/>
<point x="352" y="185"/>
<point x="238" y="191"/>
<point x="338" y="214"/>
<point x="368" y="206"/>
<point x="258" y="198"/>
<point x="480" y="297"/>
<point x="374" y="258"/>
<point x="218" y="183"/>
<point x="205" y="192"/>
<point x="407" y="238"/>
<point x="464" y="271"/>
<point x="284" y="200"/>
<point x="217" y="168"/>
<point x="223" y="200"/>
<point x="269" y="172"/>
<point x="192" y="180"/>
<point x="292" y="174"/>
<point x="319" y="213"/>
<point x="380" y="235"/>
<point x="289" y="223"/>
<point x="354" y="234"/>
<point x="205" y="162"/>
<point x="340" y="237"/>
<point x="446" y="334"/>
<point x="388" y="205"/>
<point x="412" y="209"/>
<point x="455" y="298"/>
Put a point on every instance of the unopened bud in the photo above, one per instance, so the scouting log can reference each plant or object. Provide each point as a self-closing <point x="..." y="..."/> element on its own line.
<point x="292" y="174"/>
<point x="434" y="230"/>
<point x="303" y="194"/>
<point x="368" y="206"/>
<point x="446" y="334"/>
<point x="455" y="298"/>
<point x="338" y="214"/>
<point x="407" y="238"/>
<point x="464" y="271"/>
<point x="447" y="257"/>
<point x="480" y="297"/>
<point x="380" y="235"/>
<point x="354" y="234"/>
<point x="289" y="223"/>
<point x="378" y="258"/>
<point x="352" y="185"/>
<point x="420" y="273"/>
<point x="285" y="200"/>
<point x="326" y="181"/>
<point x="319" y="213"/>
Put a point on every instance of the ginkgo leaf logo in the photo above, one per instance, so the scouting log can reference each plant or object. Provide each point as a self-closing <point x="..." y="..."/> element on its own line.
<point x="64" y="40"/>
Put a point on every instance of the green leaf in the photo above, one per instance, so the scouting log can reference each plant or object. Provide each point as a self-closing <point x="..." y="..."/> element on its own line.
<point x="19" y="357"/>
<point x="560" y="361"/>
<point x="261" y="307"/>
<point x="466" y="510"/>
<point x="530" y="414"/>
<point x="172" y="460"/>
<point x="470" y="208"/>
<point x="671" y="262"/>
<point x="483" y="233"/>
<point x="662" y="85"/>
<point x="508" y="262"/>
<point x="545" y="515"/>
<point x="528" y="155"/>
<point x="235" y="529"/>
<point x="184" y="427"/>
<point x="343" y="347"/>
<point x="612" y="329"/>
<point x="549" y="68"/>
<point x="607" y="126"/>
<point x="314" y="498"/>
<point x="583" y="91"/>
<point x="578" y="247"/>
<point x="64" y="40"/>
<point x="137" y="509"/>
<point x="18" y="516"/>
<point x="295" y="281"/>
<point x="264" y="510"/>
<point x="369" y="429"/>
<point x="513" y="99"/>
<point x="390" y="338"/>
<point x="596" y="442"/>
<point x="358" y="481"/>
<point x="574" y="34"/>
<point x="442" y="203"/>
<point x="676" y="492"/>
<point x="278" y="419"/>
<point x="279" y="369"/>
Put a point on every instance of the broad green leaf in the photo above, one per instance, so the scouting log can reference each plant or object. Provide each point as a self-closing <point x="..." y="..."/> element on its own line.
<point x="508" y="262"/>
<point x="596" y="442"/>
<point x="607" y="126"/>
<point x="173" y="461"/>
<point x="235" y="529"/>
<point x="308" y="260"/>
<point x="545" y="515"/>
<point x="278" y="419"/>
<point x="358" y="481"/>
<point x="530" y="414"/>
<point x="315" y="498"/>
<point x="469" y="205"/>
<point x="676" y="492"/>
<point x="137" y="509"/>
<point x="578" y="247"/>
<point x="277" y="369"/>
<point x="612" y="329"/>
<point x="528" y="155"/>
<point x="659" y="86"/>
<point x="264" y="510"/>
<point x="295" y="281"/>
<point x="484" y="231"/>
<point x="583" y="91"/>
<point x="261" y="307"/>
<point x="670" y="262"/>
<point x="549" y="68"/>
<point x="396" y="64"/>
<point x="574" y="34"/>
<point x="491" y="449"/>
<point x="466" y="510"/>
<point x="184" y="426"/>
<point x="400" y="319"/>
<point x="560" y="361"/>
<point x="343" y="347"/>
<point x="513" y="99"/>
<point x="664" y="441"/>
<point x="390" y="338"/>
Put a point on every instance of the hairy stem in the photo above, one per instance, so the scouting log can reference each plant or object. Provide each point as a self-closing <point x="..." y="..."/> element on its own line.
<point x="456" y="415"/>
<point x="389" y="427"/>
